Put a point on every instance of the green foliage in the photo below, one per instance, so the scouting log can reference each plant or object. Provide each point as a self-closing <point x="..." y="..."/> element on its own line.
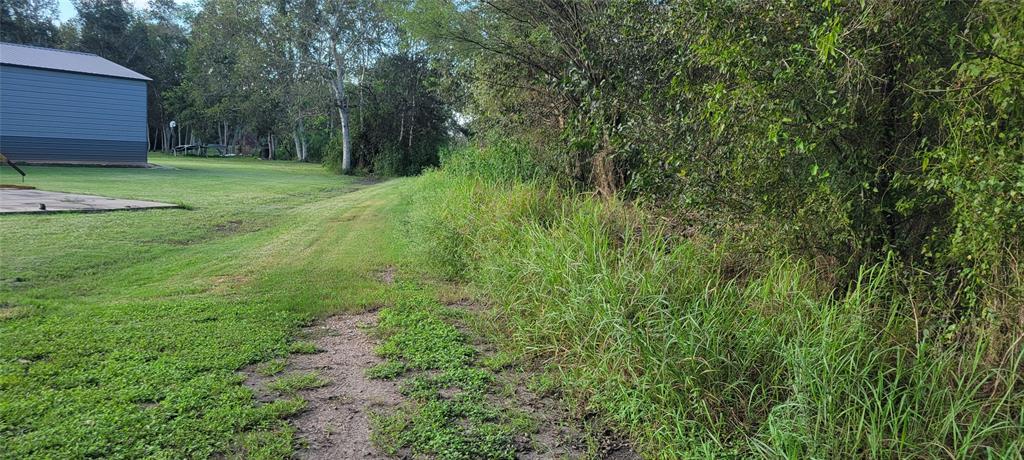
<point x="332" y="153"/>
<point x="386" y="370"/>
<point x="420" y="338"/>
<point x="660" y="336"/>
<point x="272" y="367"/>
<point x="841" y="131"/>
<point x="501" y="160"/>
<point x="28" y="22"/>
<point x="303" y="348"/>
<point x="268" y="444"/>
<point x="399" y="123"/>
<point x="291" y="383"/>
<point x="450" y="415"/>
<point x="979" y="168"/>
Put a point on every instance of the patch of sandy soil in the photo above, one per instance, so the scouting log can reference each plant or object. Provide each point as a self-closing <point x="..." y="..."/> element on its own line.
<point x="336" y="422"/>
<point x="387" y="275"/>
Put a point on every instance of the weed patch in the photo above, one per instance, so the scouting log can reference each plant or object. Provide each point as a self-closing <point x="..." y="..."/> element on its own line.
<point x="292" y="383"/>
<point x="386" y="370"/>
<point x="448" y="415"/>
<point x="303" y="348"/>
<point x="272" y="367"/>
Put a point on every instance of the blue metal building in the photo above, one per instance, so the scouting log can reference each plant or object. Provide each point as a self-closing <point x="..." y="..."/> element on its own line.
<point x="67" y="107"/>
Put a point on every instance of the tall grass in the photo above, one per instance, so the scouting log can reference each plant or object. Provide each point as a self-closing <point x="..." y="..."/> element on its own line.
<point x="656" y="334"/>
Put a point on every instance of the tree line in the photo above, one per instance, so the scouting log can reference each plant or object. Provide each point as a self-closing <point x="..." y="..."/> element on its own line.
<point x="308" y="80"/>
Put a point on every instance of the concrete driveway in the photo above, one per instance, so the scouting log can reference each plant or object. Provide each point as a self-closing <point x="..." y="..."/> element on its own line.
<point x="15" y="200"/>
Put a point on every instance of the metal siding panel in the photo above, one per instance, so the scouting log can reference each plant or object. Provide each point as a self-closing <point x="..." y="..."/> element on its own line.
<point x="46" y="104"/>
<point x="56" y="150"/>
<point x="69" y="84"/>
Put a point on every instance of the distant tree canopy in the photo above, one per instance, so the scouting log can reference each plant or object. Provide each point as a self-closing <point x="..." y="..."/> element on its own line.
<point x="395" y="96"/>
<point x="277" y="79"/>
<point x="306" y="79"/>
<point x="28" y="22"/>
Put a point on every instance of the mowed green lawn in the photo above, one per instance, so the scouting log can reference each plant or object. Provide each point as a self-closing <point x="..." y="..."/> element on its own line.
<point x="121" y="333"/>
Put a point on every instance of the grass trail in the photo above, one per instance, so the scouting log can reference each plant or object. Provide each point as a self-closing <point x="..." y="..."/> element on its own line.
<point x="121" y="333"/>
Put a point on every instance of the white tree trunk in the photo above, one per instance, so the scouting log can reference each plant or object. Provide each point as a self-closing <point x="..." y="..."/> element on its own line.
<point x="300" y="140"/>
<point x="342" y="102"/>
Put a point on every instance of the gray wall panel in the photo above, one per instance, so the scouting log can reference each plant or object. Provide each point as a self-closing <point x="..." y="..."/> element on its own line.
<point x="57" y="150"/>
<point x="59" y="116"/>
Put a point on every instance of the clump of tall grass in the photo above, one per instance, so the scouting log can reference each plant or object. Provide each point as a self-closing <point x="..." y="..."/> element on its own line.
<point x="650" y="331"/>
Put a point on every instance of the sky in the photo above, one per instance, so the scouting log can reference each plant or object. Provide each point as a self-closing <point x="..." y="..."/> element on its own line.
<point x="65" y="10"/>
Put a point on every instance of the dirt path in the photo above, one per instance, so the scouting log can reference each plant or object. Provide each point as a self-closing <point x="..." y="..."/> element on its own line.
<point x="336" y="422"/>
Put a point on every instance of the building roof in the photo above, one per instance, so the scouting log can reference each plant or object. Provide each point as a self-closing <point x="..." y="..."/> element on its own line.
<point x="64" y="61"/>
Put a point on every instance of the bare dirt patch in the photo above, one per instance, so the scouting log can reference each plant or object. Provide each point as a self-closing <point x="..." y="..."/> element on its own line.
<point x="387" y="275"/>
<point x="12" y="311"/>
<point x="336" y="422"/>
<point x="225" y="283"/>
<point x="231" y="226"/>
<point x="556" y="434"/>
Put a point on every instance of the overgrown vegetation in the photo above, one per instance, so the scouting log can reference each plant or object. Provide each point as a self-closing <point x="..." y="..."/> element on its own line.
<point x="696" y="354"/>
<point x="841" y="132"/>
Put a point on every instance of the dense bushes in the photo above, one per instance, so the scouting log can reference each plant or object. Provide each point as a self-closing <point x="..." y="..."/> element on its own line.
<point x="399" y="122"/>
<point x="659" y="335"/>
<point x="840" y="131"/>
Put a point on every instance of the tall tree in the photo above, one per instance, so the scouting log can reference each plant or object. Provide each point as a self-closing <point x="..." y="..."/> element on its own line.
<point x="343" y="36"/>
<point x="29" y="22"/>
<point x="165" y="22"/>
<point x="110" y="29"/>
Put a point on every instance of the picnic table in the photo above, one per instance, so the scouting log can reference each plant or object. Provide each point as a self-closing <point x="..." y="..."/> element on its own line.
<point x="202" y="149"/>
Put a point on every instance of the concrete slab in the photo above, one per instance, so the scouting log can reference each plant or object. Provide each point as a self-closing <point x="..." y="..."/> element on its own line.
<point x="13" y="200"/>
